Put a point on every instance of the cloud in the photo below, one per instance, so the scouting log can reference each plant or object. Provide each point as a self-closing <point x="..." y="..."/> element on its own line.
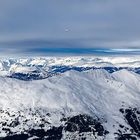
<point x="32" y="24"/>
<point x="62" y="48"/>
<point x="42" y="47"/>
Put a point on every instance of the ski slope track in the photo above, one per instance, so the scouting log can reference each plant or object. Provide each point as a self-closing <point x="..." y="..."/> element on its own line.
<point x="76" y="98"/>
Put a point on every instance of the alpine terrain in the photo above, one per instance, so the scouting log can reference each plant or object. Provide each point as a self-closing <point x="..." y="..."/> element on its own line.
<point x="70" y="98"/>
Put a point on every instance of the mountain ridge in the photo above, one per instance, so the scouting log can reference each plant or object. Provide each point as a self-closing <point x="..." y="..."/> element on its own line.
<point x="41" y="68"/>
<point x="67" y="95"/>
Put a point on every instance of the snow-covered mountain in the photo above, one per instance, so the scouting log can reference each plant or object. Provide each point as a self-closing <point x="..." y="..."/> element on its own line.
<point x="90" y="104"/>
<point x="41" y="68"/>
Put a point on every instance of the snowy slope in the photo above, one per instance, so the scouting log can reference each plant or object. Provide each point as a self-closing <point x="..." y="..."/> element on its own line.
<point x="61" y="104"/>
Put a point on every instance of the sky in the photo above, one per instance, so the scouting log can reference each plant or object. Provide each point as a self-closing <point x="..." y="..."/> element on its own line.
<point x="55" y="27"/>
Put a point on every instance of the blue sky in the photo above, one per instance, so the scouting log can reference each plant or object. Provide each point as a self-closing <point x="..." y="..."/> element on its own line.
<point x="41" y="27"/>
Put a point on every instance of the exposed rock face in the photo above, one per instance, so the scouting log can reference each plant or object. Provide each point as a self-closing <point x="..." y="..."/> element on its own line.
<point x="85" y="123"/>
<point x="80" y="126"/>
<point x="132" y="117"/>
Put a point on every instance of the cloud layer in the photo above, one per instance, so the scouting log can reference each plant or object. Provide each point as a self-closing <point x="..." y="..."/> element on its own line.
<point x="31" y="24"/>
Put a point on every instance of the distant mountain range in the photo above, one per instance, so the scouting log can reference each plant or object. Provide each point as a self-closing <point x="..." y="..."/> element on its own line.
<point x="41" y="68"/>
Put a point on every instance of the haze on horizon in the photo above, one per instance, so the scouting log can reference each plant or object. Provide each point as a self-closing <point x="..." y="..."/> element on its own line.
<point x="33" y="27"/>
